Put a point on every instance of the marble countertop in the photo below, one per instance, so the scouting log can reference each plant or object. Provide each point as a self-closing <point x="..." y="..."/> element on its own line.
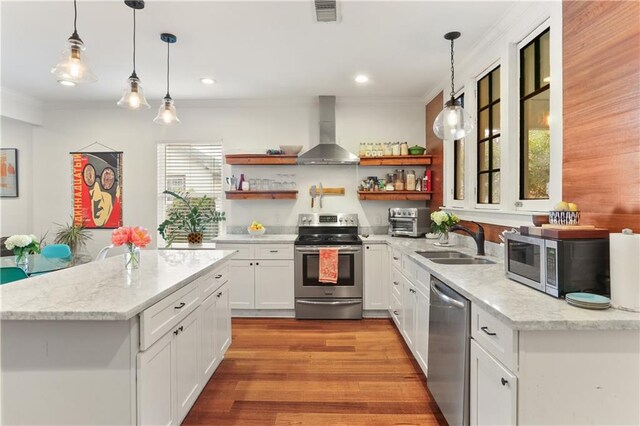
<point x="517" y="305"/>
<point x="105" y="290"/>
<point x="261" y="239"/>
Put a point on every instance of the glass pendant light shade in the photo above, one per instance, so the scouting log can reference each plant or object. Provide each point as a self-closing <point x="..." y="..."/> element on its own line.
<point x="167" y="113"/>
<point x="73" y="67"/>
<point x="133" y="96"/>
<point x="453" y="122"/>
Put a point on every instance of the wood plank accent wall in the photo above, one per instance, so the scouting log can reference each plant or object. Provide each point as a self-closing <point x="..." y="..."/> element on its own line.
<point x="601" y="106"/>
<point x="434" y="148"/>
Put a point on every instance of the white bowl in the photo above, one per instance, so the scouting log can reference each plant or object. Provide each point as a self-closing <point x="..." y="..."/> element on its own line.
<point x="255" y="233"/>
<point x="291" y="149"/>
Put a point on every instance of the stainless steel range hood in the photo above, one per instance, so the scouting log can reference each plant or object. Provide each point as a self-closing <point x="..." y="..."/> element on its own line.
<point x="328" y="152"/>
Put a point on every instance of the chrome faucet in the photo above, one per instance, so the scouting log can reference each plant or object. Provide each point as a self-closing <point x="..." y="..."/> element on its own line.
<point x="478" y="237"/>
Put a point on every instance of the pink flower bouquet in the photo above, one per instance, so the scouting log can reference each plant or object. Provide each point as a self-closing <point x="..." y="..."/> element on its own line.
<point x="135" y="237"/>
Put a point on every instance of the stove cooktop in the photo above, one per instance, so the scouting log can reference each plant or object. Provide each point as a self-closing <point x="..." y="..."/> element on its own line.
<point x="328" y="240"/>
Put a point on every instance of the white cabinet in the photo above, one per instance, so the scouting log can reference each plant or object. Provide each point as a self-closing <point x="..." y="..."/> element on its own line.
<point x="421" y="342"/>
<point x="156" y="384"/>
<point x="216" y="330"/>
<point x="409" y="313"/>
<point x="223" y="320"/>
<point x="262" y="276"/>
<point x="241" y="274"/>
<point x="493" y="390"/>
<point x="169" y="378"/>
<point x="188" y="377"/>
<point x="376" y="277"/>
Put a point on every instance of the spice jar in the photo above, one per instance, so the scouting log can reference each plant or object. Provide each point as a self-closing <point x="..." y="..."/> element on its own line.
<point x="399" y="180"/>
<point x="363" y="150"/>
<point x="411" y="180"/>
<point x="404" y="148"/>
<point x="387" y="149"/>
<point x="396" y="148"/>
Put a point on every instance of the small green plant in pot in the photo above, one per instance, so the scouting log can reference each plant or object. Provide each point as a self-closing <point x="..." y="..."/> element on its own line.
<point x="189" y="215"/>
<point x="76" y="237"/>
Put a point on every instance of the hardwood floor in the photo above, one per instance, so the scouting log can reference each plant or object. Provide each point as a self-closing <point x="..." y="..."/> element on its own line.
<point x="288" y="372"/>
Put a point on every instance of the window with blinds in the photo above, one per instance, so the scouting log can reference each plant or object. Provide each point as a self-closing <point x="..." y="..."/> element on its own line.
<point x="192" y="168"/>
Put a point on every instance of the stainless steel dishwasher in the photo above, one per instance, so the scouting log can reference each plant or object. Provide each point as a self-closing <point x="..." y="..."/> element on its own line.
<point x="449" y="329"/>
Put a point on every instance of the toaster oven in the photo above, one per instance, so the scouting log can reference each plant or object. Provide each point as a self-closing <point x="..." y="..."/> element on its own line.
<point x="409" y="222"/>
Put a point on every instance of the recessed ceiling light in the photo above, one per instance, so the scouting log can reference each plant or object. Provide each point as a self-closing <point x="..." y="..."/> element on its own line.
<point x="66" y="83"/>
<point x="207" y="80"/>
<point x="361" y="78"/>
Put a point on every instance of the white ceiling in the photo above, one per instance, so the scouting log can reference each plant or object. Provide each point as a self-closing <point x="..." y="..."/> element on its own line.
<point x="255" y="49"/>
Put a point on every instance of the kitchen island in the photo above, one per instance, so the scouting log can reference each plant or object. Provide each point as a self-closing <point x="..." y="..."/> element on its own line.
<point x="97" y="344"/>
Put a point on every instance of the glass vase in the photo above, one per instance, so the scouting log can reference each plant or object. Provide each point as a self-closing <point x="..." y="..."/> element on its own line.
<point x="444" y="238"/>
<point x="132" y="258"/>
<point x="22" y="260"/>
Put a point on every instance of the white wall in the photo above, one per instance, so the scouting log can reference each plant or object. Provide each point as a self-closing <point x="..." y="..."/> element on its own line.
<point x="16" y="214"/>
<point x="242" y="126"/>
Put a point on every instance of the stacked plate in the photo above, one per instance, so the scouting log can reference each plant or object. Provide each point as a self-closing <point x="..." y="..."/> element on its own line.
<point x="588" y="300"/>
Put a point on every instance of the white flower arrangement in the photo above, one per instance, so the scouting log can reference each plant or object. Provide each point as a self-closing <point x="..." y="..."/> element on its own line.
<point x="441" y="221"/>
<point x="22" y="244"/>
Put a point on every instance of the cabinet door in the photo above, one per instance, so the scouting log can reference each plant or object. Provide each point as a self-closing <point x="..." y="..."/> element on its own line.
<point x="223" y="321"/>
<point x="493" y="393"/>
<point x="187" y="370"/>
<point x="274" y="284"/>
<point x="408" y="309"/>
<point x="156" y="383"/>
<point x="241" y="278"/>
<point x="376" y="283"/>
<point x="208" y="342"/>
<point x="422" y="328"/>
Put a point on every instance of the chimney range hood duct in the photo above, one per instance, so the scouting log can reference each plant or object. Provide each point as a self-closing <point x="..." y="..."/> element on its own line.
<point x="328" y="152"/>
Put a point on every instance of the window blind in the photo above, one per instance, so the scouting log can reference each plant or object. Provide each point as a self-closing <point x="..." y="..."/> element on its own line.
<point x="192" y="168"/>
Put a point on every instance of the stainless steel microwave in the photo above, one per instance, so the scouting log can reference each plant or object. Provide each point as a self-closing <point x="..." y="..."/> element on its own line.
<point x="558" y="267"/>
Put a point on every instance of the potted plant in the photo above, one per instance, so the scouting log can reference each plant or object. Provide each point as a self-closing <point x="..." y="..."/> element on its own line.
<point x="189" y="215"/>
<point x="441" y="222"/>
<point x="76" y="237"/>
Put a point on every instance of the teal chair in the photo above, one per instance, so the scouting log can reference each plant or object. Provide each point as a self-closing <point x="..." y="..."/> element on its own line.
<point x="11" y="273"/>
<point x="57" y="251"/>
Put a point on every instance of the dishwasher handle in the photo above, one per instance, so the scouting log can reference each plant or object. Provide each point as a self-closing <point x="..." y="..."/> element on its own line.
<point x="446" y="298"/>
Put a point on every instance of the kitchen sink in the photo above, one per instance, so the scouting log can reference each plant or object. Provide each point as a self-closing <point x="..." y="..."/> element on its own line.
<point x="463" y="261"/>
<point x="445" y="254"/>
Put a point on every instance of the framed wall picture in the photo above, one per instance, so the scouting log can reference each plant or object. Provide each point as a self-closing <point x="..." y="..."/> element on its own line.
<point x="8" y="172"/>
<point x="97" y="189"/>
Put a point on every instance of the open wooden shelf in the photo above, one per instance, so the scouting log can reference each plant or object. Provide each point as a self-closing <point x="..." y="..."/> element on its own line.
<point x="261" y="159"/>
<point x="394" y="195"/>
<point x="261" y="195"/>
<point x="397" y="160"/>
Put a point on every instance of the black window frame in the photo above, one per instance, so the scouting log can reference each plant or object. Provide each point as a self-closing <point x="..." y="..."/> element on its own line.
<point x="456" y="142"/>
<point x="537" y="89"/>
<point x="489" y="139"/>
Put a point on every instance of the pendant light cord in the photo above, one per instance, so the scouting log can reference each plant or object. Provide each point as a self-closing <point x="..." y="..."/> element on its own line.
<point x="134" y="40"/>
<point x="168" y="45"/>
<point x="452" y="73"/>
<point x="75" y="18"/>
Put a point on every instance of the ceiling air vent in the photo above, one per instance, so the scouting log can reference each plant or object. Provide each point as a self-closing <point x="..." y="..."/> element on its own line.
<point x="326" y="11"/>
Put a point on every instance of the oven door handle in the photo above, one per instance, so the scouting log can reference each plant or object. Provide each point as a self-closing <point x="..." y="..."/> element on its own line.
<point x="329" y="302"/>
<point x="341" y="250"/>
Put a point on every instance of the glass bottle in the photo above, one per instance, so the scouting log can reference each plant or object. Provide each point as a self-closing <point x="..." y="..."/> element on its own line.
<point x="411" y="180"/>
<point x="396" y="148"/>
<point x="404" y="148"/>
<point x="240" y="182"/>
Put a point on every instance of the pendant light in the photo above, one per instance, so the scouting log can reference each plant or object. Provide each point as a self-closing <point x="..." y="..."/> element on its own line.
<point x="73" y="66"/>
<point x="453" y="122"/>
<point x="167" y="111"/>
<point x="133" y="96"/>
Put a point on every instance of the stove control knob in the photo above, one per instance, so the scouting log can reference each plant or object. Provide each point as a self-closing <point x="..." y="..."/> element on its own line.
<point x="341" y="220"/>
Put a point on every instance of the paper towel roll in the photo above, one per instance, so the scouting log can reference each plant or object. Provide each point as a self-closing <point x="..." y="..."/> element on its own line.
<point x="625" y="271"/>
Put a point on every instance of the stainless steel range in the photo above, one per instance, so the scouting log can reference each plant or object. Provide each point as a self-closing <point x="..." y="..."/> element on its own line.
<point x="317" y="300"/>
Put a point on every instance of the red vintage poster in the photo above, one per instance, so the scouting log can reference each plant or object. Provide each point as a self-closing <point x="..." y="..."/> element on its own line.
<point x="97" y="189"/>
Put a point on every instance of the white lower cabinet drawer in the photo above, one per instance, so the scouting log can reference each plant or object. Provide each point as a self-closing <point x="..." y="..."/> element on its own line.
<point x="396" y="283"/>
<point x="273" y="251"/>
<point x="214" y="280"/>
<point x="164" y="315"/>
<point x="396" y="311"/>
<point x="244" y="251"/>
<point x="495" y="337"/>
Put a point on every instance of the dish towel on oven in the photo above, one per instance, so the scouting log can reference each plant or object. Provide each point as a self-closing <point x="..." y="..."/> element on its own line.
<point x="328" y="266"/>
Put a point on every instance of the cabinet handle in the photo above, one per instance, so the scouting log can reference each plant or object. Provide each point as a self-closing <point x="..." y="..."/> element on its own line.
<point x="181" y="328"/>
<point x="219" y="294"/>
<point x="486" y="330"/>
<point x="395" y="313"/>
<point x="176" y="331"/>
<point x="251" y="264"/>
<point x="412" y="290"/>
<point x="396" y="283"/>
<point x="504" y="382"/>
<point x="257" y="264"/>
<point x="217" y="277"/>
<point x="180" y="306"/>
<point x="367" y="247"/>
<point x="273" y="251"/>
<point x="396" y="258"/>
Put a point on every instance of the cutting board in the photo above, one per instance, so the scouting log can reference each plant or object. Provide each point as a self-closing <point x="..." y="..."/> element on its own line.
<point x="565" y="232"/>
<point x="569" y="227"/>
